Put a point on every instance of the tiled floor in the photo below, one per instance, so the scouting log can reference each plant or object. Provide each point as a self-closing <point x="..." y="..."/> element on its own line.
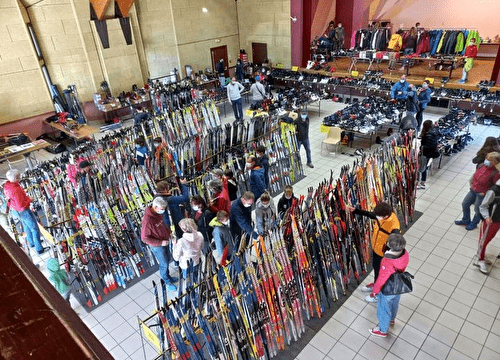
<point x="453" y="312"/>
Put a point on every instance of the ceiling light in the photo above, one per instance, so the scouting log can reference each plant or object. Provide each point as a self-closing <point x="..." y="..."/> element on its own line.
<point x="204" y="10"/>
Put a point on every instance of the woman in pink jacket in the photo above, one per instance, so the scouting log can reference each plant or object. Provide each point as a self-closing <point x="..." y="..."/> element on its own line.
<point x="396" y="258"/>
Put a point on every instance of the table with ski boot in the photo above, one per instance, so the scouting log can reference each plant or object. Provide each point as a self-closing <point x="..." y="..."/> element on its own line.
<point x="77" y="132"/>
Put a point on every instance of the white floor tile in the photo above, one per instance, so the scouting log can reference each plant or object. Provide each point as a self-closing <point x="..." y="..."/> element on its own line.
<point x="404" y="349"/>
<point x="467" y="346"/>
<point x="436" y="348"/>
<point x="323" y="342"/>
<point x="341" y="352"/>
<point x="488" y="354"/>
<point x="353" y="339"/>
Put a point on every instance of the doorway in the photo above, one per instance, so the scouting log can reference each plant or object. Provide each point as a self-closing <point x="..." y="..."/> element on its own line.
<point x="259" y="53"/>
<point x="217" y="53"/>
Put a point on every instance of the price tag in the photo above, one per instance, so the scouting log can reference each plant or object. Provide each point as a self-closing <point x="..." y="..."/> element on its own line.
<point x="295" y="68"/>
<point x="279" y="66"/>
<point x="431" y="80"/>
<point x="354" y="73"/>
<point x="151" y="336"/>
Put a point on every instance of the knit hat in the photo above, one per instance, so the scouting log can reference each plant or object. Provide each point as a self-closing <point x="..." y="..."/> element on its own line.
<point x="188" y="225"/>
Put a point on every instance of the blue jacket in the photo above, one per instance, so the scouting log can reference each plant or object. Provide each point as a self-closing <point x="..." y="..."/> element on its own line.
<point x="174" y="207"/>
<point x="399" y="87"/>
<point x="424" y="98"/>
<point x="257" y="182"/>
<point x="241" y="221"/>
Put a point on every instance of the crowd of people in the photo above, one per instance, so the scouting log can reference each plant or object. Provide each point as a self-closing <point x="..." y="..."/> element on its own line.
<point x="178" y="228"/>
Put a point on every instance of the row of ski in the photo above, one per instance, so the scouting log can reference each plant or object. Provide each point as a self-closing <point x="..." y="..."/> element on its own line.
<point x="258" y="304"/>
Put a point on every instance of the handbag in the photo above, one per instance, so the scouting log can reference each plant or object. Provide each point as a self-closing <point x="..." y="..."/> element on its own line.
<point x="398" y="283"/>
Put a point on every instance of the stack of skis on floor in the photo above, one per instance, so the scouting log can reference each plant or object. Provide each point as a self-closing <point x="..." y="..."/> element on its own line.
<point x="261" y="301"/>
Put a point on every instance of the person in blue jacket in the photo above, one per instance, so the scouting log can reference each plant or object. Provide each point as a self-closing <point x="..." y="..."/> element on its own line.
<point x="424" y="97"/>
<point x="399" y="90"/>
<point x="176" y="204"/>
<point x="241" y="218"/>
<point x="141" y="151"/>
<point x="257" y="176"/>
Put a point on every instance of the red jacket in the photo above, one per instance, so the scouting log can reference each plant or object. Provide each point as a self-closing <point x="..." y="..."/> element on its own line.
<point x="221" y="201"/>
<point x="388" y="266"/>
<point x="17" y="198"/>
<point x="471" y="51"/>
<point x="484" y="178"/>
<point x="154" y="230"/>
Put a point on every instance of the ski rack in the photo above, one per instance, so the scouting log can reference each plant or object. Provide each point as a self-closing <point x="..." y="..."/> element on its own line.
<point x="275" y="283"/>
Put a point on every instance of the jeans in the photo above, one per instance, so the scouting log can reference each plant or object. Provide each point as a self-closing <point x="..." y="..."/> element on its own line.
<point x="387" y="309"/>
<point x="182" y="283"/>
<point x="420" y="117"/>
<point x="163" y="256"/>
<point x="237" y="109"/>
<point x="464" y="74"/>
<point x="30" y="226"/>
<point x="222" y="80"/>
<point x="405" y="53"/>
<point x="472" y="198"/>
<point x="423" y="177"/>
<point x="307" y="146"/>
<point x="376" y="260"/>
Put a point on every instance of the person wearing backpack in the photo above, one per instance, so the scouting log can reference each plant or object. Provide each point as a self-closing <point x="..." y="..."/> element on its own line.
<point x="386" y="223"/>
<point x="490" y="211"/>
<point x="222" y="240"/>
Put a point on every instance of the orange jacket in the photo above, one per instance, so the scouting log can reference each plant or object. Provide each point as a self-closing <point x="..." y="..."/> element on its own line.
<point x="379" y="237"/>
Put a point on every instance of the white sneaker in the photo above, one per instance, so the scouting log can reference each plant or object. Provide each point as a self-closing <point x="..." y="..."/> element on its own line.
<point x="483" y="267"/>
<point x="367" y="288"/>
<point x="370" y="299"/>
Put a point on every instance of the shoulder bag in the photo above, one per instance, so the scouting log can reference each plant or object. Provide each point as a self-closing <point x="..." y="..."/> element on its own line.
<point x="398" y="283"/>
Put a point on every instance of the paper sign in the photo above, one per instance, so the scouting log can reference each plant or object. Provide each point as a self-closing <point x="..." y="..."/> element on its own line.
<point x="354" y="73"/>
<point x="151" y="336"/>
<point x="323" y="128"/>
<point x="431" y="80"/>
<point x="295" y="68"/>
<point x="279" y="66"/>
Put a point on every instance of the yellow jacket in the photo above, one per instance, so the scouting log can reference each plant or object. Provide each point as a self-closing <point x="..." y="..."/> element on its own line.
<point x="395" y="43"/>
<point x="380" y="236"/>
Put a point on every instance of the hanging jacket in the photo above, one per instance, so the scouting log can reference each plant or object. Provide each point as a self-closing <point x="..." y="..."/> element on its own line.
<point x="16" y="196"/>
<point x="445" y="36"/>
<point x="188" y="247"/>
<point x="438" y="35"/>
<point x="390" y="264"/>
<point x="449" y="46"/>
<point x="395" y="43"/>
<point x="423" y="44"/>
<point x="459" y="47"/>
<point x="473" y="34"/>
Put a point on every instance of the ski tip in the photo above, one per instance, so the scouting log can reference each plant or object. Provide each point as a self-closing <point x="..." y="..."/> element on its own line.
<point x="106" y="291"/>
<point x="89" y="304"/>
<point x="99" y="298"/>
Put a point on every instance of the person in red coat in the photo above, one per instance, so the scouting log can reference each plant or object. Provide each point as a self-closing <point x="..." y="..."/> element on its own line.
<point x="19" y="203"/>
<point x="395" y="258"/>
<point x="156" y="234"/>
<point x="470" y="54"/>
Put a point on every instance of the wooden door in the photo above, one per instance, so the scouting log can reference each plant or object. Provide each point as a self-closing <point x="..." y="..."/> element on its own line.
<point x="259" y="53"/>
<point x="217" y="53"/>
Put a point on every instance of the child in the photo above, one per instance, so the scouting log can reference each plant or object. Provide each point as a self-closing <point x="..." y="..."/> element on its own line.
<point x="265" y="213"/>
<point x="188" y="247"/>
<point x="59" y="278"/>
<point x="222" y="242"/>
<point x="141" y="151"/>
<point x="286" y="201"/>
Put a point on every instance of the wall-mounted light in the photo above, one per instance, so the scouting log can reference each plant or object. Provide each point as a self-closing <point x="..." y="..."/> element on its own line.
<point x="293" y="18"/>
<point x="204" y="10"/>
